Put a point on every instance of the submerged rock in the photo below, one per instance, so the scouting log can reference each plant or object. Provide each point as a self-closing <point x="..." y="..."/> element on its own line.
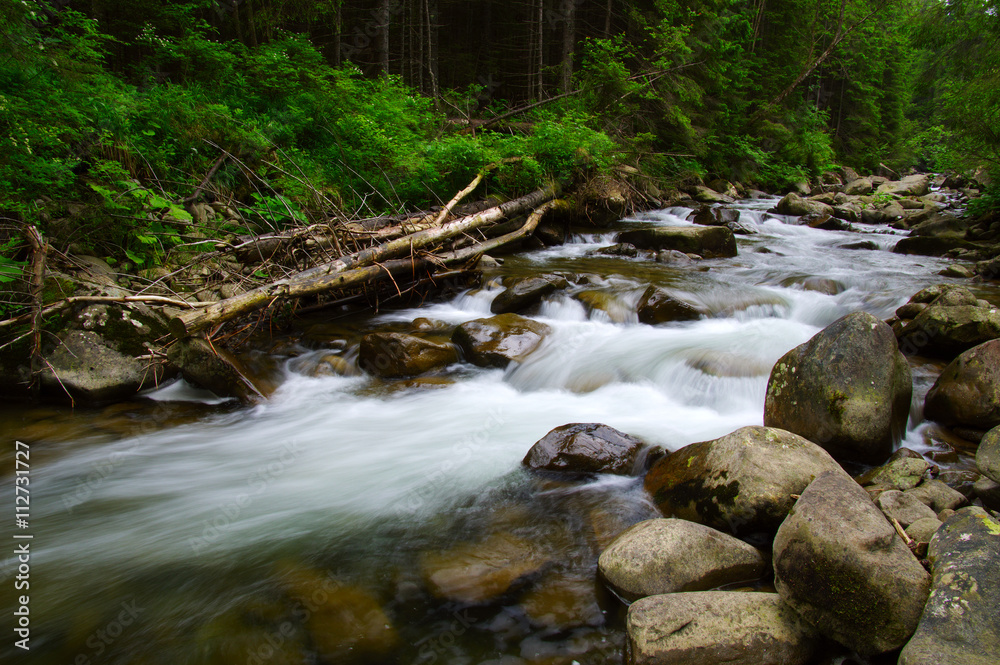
<point x="716" y="627"/>
<point x="847" y="389"/>
<point x="841" y="565"/>
<point x="496" y="341"/>
<point x="960" y="624"/>
<point x="586" y="448"/>
<point x="741" y="483"/>
<point x="478" y="573"/>
<point x="968" y="391"/>
<point x="394" y="355"/>
<point x="670" y="555"/>
<point x="709" y="242"/>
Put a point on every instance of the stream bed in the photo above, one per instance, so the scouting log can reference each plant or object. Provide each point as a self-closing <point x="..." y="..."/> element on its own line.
<point x="324" y="525"/>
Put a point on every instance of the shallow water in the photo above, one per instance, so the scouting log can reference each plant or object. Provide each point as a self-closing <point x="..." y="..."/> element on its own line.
<point x="203" y="522"/>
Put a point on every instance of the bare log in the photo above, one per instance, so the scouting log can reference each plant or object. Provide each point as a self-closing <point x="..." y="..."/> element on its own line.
<point x="329" y="276"/>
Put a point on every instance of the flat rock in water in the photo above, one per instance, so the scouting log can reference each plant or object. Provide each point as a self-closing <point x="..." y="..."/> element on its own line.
<point x="741" y="483"/>
<point x="586" y="448"/>
<point x="658" y="306"/>
<point x="393" y="355"/>
<point x="526" y="292"/>
<point x="931" y="245"/>
<point x="670" y="555"/>
<point x="496" y="341"/>
<point x="710" y="242"/>
<point x="961" y="622"/>
<point x="478" y="573"/>
<point x="967" y="393"/>
<point x="710" y="627"/>
<point x="840" y="564"/>
<point x="847" y="389"/>
<point x="988" y="455"/>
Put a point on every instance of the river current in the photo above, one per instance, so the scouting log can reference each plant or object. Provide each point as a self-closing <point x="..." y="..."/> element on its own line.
<point x="179" y="528"/>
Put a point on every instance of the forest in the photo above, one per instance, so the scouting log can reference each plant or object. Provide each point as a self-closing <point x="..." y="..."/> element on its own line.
<point x="117" y="116"/>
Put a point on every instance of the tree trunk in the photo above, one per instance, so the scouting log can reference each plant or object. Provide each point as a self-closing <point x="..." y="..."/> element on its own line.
<point x="382" y="37"/>
<point x="327" y="276"/>
<point x="568" y="44"/>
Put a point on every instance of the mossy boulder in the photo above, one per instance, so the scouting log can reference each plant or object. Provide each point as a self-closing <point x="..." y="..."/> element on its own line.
<point x="953" y="321"/>
<point x="394" y="355"/>
<point x="988" y="455"/>
<point x="716" y="627"/>
<point x="587" y="448"/>
<point x="741" y="483"/>
<point x="671" y="555"/>
<point x="499" y="340"/>
<point x="967" y="393"/>
<point x="840" y="564"/>
<point x="904" y="470"/>
<point x="960" y="623"/>
<point x="847" y="389"/>
<point x="794" y="205"/>
<point x="710" y="242"/>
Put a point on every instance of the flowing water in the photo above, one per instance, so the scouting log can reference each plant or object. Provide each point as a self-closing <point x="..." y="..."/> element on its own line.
<point x="307" y="529"/>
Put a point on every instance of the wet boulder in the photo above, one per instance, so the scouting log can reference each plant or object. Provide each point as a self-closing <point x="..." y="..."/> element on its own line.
<point x="216" y="369"/>
<point x="496" y="341"/>
<point x="523" y="293"/>
<point x="825" y="222"/>
<point x="741" y="483"/>
<point x="394" y="355"/>
<point x="988" y="455"/>
<point x="715" y="216"/>
<point x="960" y="623"/>
<point x="671" y="555"/>
<point x="658" y="306"/>
<point x="716" y="627"/>
<point x="904" y="470"/>
<point x="622" y="249"/>
<point x="912" y="185"/>
<point x="967" y="393"/>
<point x="479" y="573"/>
<point x="931" y="245"/>
<point x="796" y="206"/>
<point x="703" y="194"/>
<point x="840" y="564"/>
<point x="587" y="448"/>
<point x="710" y="242"/>
<point x="953" y="321"/>
<point x="847" y="389"/>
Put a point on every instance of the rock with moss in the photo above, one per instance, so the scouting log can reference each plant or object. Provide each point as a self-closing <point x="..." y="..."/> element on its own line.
<point x="394" y="355"/>
<point x="905" y="469"/>
<point x="671" y="555"/>
<point x="847" y="389"/>
<point x="794" y="205"/>
<point x="741" y="483"/>
<point x="960" y="623"/>
<point x="716" y="627"/>
<point x="988" y="455"/>
<point x="954" y="321"/>
<point x="499" y="340"/>
<point x="904" y="508"/>
<point x="967" y="393"/>
<point x="911" y="185"/>
<point x="710" y="242"/>
<point x="937" y="495"/>
<point x="587" y="448"/>
<point x="840" y="564"/>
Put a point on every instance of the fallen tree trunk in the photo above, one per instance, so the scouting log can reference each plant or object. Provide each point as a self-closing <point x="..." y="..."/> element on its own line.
<point x="332" y="275"/>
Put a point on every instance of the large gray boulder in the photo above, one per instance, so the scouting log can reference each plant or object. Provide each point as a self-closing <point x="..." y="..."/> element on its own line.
<point x="670" y="555"/>
<point x="967" y="393"/>
<point x="710" y="242"/>
<point x="911" y="185"/>
<point x="953" y="321"/>
<point x="741" y="483"/>
<point x="392" y="355"/>
<point x="716" y="627"/>
<point x="587" y="448"/>
<point x="904" y="508"/>
<point x="840" y="564"/>
<point x="988" y="455"/>
<point x="796" y="206"/>
<point x="847" y="389"/>
<point x="961" y="622"/>
<point x="859" y="187"/>
<point x="498" y="340"/>
<point x="524" y="293"/>
<point x="658" y="306"/>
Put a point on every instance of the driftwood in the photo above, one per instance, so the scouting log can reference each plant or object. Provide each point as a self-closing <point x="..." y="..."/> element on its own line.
<point x="368" y="265"/>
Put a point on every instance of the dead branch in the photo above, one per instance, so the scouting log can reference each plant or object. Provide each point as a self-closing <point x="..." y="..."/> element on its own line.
<point x="39" y="249"/>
